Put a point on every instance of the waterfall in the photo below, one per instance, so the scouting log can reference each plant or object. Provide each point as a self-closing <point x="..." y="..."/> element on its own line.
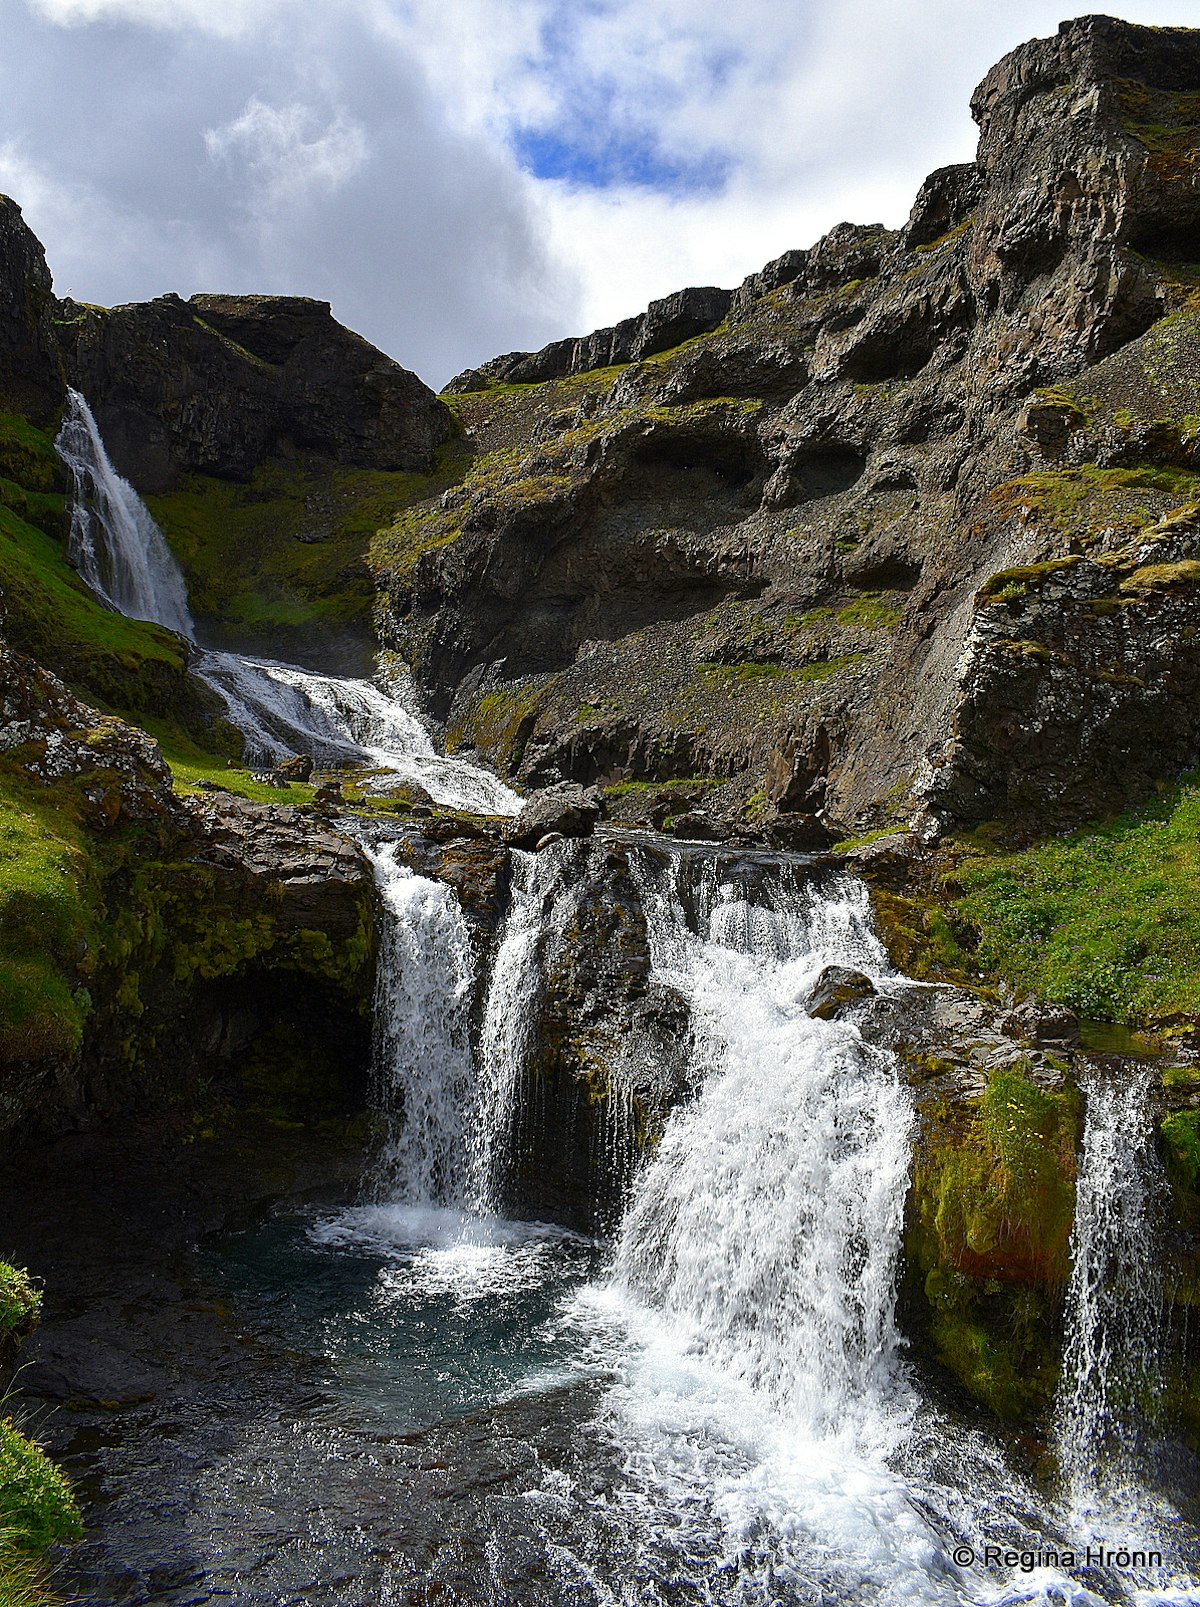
<point x="1112" y="1376"/>
<point x="114" y="543"/>
<point x="544" y="895"/>
<point x="766" y="1229"/>
<point x="423" y="1068"/>
<point x="280" y="709"/>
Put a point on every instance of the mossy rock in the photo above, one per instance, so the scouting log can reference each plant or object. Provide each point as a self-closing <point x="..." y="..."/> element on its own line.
<point x="990" y="1216"/>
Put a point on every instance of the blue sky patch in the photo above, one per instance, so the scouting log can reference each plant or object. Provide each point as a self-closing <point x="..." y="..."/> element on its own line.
<point x="615" y="158"/>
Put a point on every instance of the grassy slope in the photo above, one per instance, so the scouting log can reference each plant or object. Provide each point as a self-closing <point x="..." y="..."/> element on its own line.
<point x="1106" y="920"/>
<point x="283" y="558"/>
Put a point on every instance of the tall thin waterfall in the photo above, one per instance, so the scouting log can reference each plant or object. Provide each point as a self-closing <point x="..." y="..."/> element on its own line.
<point x="455" y="1111"/>
<point x="544" y="893"/>
<point x="766" y="1230"/>
<point x="423" y="1064"/>
<point x="1111" y="1363"/>
<point x="115" y="544"/>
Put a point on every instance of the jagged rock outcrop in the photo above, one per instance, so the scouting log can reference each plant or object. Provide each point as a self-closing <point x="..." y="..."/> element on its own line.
<point x="665" y="323"/>
<point x="767" y="557"/>
<point x="217" y="384"/>
<point x="564" y="811"/>
<point x="30" y="368"/>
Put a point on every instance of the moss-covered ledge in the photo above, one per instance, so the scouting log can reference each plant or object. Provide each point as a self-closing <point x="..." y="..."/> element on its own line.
<point x="989" y="1225"/>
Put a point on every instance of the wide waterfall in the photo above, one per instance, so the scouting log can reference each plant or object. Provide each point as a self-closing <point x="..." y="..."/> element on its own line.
<point x="766" y="1230"/>
<point x="115" y="544"/>
<point x="280" y="709"/>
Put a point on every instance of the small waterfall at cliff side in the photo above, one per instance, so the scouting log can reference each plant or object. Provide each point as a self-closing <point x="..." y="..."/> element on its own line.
<point x="1112" y="1377"/>
<point x="423" y="1066"/>
<point x="115" y="544"/>
<point x="280" y="709"/>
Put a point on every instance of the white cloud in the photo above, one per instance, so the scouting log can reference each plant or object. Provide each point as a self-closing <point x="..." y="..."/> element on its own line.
<point x="367" y="150"/>
<point x="287" y="152"/>
<point x="224" y="18"/>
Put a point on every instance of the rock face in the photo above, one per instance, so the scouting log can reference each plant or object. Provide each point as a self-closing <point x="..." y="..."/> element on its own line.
<point x="30" y="376"/>
<point x="165" y="939"/>
<point x="664" y="324"/>
<point x="565" y="810"/>
<point x="789" y="554"/>
<point x="219" y="383"/>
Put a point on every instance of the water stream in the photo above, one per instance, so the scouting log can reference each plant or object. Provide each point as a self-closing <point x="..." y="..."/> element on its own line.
<point x="280" y="709"/>
<point x="761" y="1434"/>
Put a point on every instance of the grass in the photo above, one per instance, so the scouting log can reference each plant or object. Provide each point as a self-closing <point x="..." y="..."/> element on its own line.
<point x="1105" y="921"/>
<point x="47" y="914"/>
<point x="37" y="1509"/>
<point x="24" y="1580"/>
<point x="20" y="1302"/>
<point x="869" y="612"/>
<point x="287" y="551"/>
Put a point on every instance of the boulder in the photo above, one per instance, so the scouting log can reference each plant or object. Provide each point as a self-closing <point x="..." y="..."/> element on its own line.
<point x="565" y="809"/>
<point x="836" y="987"/>
<point x="299" y="768"/>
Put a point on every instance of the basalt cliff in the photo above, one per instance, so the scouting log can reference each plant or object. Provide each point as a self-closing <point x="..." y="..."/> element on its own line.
<point x="893" y="551"/>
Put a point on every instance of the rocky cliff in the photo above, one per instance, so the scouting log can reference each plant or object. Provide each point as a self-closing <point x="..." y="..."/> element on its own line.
<point x="906" y="535"/>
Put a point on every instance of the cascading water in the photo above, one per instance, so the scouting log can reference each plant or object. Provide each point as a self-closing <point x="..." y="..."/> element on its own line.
<point x="1112" y="1369"/>
<point x="542" y="897"/>
<point x="424" y="1071"/>
<point x="767" y="1227"/>
<point x="280" y="709"/>
<point x="773" y="1445"/>
<point x="115" y="544"/>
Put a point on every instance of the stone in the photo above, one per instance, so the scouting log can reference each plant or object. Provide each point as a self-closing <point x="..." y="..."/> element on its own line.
<point x="218" y="384"/>
<point x="765" y="557"/>
<point x="31" y="379"/>
<point x="565" y="809"/>
<point x="299" y="768"/>
<point x="835" y="988"/>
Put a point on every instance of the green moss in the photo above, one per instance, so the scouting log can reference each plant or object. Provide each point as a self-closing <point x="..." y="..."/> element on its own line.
<point x="37" y="1508"/>
<point x="48" y="913"/>
<point x="1087" y="495"/>
<point x="998" y="1342"/>
<point x="869" y="612"/>
<point x="822" y="668"/>
<point x="499" y="721"/>
<point x="1181" y="1143"/>
<point x="20" y="1303"/>
<point x="27" y="455"/>
<point x="991" y="1209"/>
<point x="1105" y="921"/>
<point x="286" y="553"/>
<point x="747" y="671"/>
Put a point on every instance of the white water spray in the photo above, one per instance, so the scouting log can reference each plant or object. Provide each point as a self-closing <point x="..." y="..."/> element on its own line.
<point x="766" y="1230"/>
<point x="282" y="709"/>
<point x="114" y="543"/>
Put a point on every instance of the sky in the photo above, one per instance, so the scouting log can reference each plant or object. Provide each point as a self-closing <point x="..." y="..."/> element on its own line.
<point x="461" y="178"/>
